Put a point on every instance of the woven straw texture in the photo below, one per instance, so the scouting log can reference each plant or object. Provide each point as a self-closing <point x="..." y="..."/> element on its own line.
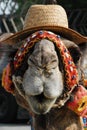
<point x="47" y="15"/>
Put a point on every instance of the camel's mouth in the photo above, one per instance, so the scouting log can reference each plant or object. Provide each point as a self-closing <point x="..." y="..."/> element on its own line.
<point x="40" y="104"/>
<point x="40" y="98"/>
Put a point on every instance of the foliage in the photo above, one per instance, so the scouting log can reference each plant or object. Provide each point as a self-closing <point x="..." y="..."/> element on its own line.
<point x="25" y="4"/>
<point x="72" y="4"/>
<point x="20" y="7"/>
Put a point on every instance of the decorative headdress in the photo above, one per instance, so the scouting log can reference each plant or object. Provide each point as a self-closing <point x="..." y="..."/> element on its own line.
<point x="53" y="18"/>
<point x="70" y="72"/>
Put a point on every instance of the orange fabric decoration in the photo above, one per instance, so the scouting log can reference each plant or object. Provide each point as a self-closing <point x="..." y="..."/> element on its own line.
<point x="71" y="74"/>
<point x="6" y="79"/>
<point x="85" y="83"/>
<point x="79" y="102"/>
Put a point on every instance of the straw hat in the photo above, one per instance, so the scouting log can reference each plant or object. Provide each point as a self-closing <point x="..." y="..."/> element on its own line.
<point x="46" y="17"/>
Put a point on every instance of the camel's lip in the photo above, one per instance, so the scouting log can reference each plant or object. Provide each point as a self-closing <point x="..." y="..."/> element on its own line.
<point x="40" y="104"/>
<point x="41" y="98"/>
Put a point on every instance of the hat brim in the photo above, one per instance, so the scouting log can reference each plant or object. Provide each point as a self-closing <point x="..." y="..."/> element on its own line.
<point x="62" y="31"/>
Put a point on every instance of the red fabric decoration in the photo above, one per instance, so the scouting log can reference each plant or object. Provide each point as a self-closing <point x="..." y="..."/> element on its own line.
<point x="79" y="93"/>
<point x="6" y="79"/>
<point x="85" y="83"/>
<point x="71" y="75"/>
<point x="79" y="101"/>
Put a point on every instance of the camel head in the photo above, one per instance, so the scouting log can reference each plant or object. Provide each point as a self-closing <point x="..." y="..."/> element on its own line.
<point x="44" y="68"/>
<point x="38" y="72"/>
<point x="42" y="81"/>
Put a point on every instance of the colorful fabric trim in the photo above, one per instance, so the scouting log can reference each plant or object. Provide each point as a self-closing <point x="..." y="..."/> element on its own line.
<point x="71" y="75"/>
<point x="79" y="102"/>
<point x="7" y="79"/>
<point x="85" y="83"/>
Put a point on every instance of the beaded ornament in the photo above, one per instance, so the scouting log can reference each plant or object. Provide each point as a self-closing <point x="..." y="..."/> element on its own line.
<point x="70" y="71"/>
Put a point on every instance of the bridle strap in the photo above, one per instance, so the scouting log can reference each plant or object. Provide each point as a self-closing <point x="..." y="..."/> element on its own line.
<point x="70" y="71"/>
<point x="71" y="75"/>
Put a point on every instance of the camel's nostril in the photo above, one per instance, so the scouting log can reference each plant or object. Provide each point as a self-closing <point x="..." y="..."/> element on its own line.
<point x="40" y="97"/>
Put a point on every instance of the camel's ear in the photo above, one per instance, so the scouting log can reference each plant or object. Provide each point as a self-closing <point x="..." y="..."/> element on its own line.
<point x="83" y="46"/>
<point x="75" y="53"/>
<point x="73" y="49"/>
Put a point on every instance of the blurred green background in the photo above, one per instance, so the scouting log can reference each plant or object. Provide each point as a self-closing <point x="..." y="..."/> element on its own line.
<point x="12" y="14"/>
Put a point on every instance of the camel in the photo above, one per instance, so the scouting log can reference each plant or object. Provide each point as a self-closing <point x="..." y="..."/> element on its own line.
<point x="37" y="77"/>
<point x="45" y="70"/>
